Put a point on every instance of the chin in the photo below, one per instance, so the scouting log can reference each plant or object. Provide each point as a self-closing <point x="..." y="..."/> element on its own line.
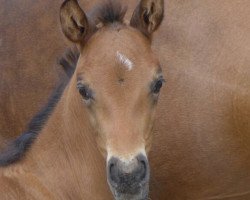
<point x="138" y="194"/>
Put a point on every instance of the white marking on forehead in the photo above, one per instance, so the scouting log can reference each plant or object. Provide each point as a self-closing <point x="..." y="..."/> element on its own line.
<point x="124" y="60"/>
<point x="128" y="158"/>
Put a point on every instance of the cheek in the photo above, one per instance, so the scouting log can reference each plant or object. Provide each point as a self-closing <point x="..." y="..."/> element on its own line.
<point x="101" y="144"/>
<point x="94" y="117"/>
<point x="96" y="120"/>
<point x="148" y="128"/>
<point x="93" y="120"/>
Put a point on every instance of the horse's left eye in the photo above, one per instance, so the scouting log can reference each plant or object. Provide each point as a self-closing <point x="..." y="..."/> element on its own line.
<point x="157" y="86"/>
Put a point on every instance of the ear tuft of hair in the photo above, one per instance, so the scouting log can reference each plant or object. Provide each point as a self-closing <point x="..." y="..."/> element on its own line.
<point x="111" y="11"/>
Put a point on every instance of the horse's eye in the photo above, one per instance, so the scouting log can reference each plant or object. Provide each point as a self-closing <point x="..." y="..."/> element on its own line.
<point x="157" y="86"/>
<point x="85" y="92"/>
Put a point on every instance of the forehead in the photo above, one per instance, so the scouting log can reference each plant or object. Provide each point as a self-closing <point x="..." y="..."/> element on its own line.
<point x="118" y="53"/>
<point x="120" y="37"/>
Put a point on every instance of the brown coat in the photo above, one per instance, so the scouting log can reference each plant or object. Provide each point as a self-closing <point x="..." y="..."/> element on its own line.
<point x="201" y="147"/>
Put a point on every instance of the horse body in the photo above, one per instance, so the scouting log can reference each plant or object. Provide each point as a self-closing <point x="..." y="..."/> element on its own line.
<point x="201" y="139"/>
<point x="204" y="109"/>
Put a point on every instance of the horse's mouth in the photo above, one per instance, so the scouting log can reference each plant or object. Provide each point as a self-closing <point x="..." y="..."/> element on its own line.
<point x="140" y="193"/>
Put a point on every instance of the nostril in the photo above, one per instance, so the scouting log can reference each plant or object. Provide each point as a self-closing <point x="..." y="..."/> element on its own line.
<point x="143" y="169"/>
<point x="143" y="163"/>
<point x="111" y="168"/>
<point x="112" y="171"/>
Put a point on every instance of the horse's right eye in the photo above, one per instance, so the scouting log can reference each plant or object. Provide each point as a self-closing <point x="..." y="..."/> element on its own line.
<point x="85" y="91"/>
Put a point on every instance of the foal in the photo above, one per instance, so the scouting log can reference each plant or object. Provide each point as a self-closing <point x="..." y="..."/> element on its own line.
<point x="110" y="101"/>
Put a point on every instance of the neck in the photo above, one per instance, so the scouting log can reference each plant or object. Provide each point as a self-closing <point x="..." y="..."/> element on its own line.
<point x="65" y="154"/>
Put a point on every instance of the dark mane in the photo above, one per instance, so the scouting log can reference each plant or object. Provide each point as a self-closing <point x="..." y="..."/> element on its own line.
<point x="109" y="12"/>
<point x="69" y="61"/>
<point x="18" y="147"/>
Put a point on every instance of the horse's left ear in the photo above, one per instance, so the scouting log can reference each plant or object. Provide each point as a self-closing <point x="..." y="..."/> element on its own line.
<point x="148" y="16"/>
<point x="74" y="22"/>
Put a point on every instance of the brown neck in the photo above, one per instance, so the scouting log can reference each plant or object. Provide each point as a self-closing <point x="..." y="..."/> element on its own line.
<point x="65" y="154"/>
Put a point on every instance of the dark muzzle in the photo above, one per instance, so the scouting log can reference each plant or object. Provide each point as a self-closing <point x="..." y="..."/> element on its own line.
<point x="128" y="177"/>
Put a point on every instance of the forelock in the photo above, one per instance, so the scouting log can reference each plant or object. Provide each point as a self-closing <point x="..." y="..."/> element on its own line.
<point x="110" y="11"/>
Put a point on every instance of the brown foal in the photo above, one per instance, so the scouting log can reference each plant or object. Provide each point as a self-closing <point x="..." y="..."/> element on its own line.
<point x="110" y="100"/>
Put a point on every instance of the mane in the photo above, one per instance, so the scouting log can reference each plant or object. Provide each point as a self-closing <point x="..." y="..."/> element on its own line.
<point x="16" y="149"/>
<point x="109" y="12"/>
<point x="69" y="61"/>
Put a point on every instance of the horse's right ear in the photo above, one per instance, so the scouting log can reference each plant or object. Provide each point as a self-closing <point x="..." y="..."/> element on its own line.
<point x="74" y="22"/>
